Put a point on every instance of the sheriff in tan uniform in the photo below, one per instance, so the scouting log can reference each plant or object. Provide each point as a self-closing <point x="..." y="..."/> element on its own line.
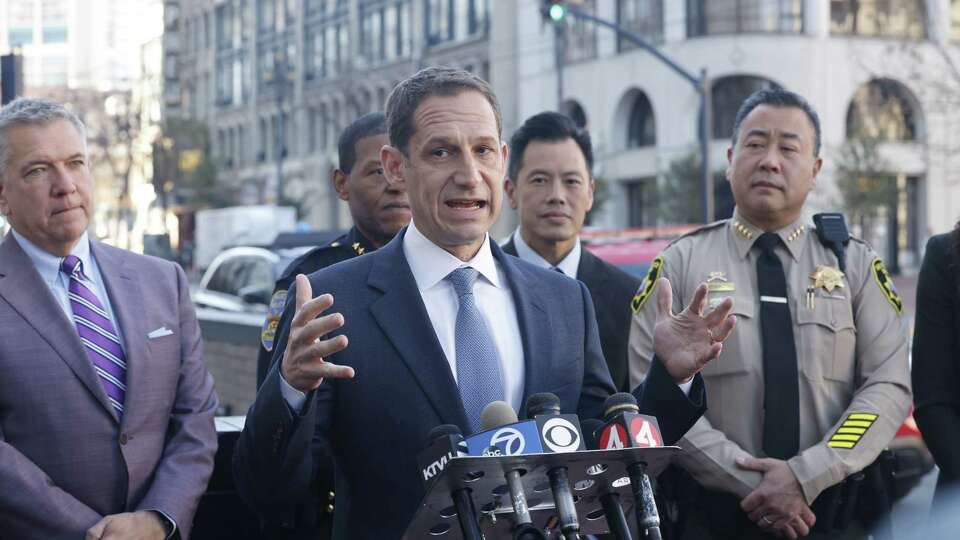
<point x="850" y="341"/>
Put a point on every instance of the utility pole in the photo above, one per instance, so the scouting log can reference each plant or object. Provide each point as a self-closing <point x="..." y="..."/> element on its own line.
<point x="281" y="67"/>
<point x="557" y="12"/>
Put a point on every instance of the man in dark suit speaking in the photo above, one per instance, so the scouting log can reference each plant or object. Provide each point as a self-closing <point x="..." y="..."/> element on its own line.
<point x="550" y="185"/>
<point x="439" y="323"/>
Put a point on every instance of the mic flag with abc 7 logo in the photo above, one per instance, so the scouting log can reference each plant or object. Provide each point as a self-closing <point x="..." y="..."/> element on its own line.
<point x="549" y="433"/>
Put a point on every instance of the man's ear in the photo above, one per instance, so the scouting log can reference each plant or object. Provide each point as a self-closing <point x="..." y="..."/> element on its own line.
<point x="591" y="187"/>
<point x="510" y="189"/>
<point x="4" y="204"/>
<point x="340" y="185"/>
<point x="817" y="165"/>
<point x="391" y="159"/>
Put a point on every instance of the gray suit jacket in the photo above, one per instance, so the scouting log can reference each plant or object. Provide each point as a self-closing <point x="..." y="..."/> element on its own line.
<point x="65" y="459"/>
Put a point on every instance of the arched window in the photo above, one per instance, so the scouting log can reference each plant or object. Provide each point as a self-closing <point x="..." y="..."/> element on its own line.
<point x="727" y="94"/>
<point x="573" y="109"/>
<point x="641" y="128"/>
<point x="900" y="19"/>
<point x="883" y="109"/>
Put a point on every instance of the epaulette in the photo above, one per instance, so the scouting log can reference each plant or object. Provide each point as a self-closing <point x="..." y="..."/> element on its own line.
<point x="699" y="230"/>
<point x="296" y="266"/>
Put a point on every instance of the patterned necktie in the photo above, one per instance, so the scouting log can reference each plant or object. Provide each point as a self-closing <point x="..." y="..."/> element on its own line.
<point x="781" y="401"/>
<point x="97" y="333"/>
<point x="478" y="365"/>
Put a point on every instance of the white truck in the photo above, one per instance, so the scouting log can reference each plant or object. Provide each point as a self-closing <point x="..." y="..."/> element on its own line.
<point x="220" y="228"/>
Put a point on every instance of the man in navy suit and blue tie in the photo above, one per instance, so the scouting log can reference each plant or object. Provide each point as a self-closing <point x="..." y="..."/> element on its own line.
<point x="435" y="325"/>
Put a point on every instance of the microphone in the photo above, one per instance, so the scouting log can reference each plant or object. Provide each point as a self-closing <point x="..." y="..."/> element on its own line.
<point x="444" y="443"/>
<point x="610" y="502"/>
<point x="626" y="428"/>
<point x="502" y="434"/>
<point x="559" y="433"/>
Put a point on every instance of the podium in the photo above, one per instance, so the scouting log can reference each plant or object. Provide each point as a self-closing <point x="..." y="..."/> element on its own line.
<point x="591" y="473"/>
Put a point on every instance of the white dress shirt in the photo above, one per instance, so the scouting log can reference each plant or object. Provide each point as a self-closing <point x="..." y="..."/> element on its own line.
<point x="48" y="266"/>
<point x="569" y="265"/>
<point x="430" y="265"/>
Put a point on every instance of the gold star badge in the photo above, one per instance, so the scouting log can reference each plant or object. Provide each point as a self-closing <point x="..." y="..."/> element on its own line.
<point x="828" y="278"/>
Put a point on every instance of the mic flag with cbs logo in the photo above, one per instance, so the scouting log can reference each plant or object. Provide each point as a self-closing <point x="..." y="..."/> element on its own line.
<point x="557" y="433"/>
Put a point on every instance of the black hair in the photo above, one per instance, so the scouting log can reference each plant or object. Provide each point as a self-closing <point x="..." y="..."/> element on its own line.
<point x="367" y="125"/>
<point x="547" y="126"/>
<point x="778" y="97"/>
<point x="404" y="99"/>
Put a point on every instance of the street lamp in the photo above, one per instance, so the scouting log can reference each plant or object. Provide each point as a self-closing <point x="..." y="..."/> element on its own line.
<point x="558" y="12"/>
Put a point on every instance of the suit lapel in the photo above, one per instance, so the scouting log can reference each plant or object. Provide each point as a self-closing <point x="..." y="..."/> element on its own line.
<point x="22" y="287"/>
<point x="126" y="300"/>
<point x="403" y="318"/>
<point x="590" y="272"/>
<point x="535" y="329"/>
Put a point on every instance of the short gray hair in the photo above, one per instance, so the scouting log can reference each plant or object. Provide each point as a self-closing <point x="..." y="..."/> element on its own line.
<point x="403" y="101"/>
<point x="32" y="111"/>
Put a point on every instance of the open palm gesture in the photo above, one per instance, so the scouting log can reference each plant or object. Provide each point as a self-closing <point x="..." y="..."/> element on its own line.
<point x="685" y="342"/>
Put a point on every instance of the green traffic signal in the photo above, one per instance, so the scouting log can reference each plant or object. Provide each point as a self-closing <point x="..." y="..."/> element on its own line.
<point x="557" y="12"/>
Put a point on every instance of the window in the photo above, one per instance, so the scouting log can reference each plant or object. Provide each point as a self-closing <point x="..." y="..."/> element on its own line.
<point x="889" y="18"/>
<point x="581" y="36"/>
<point x="20" y="36"/>
<point x="644" y="17"/>
<point x="439" y="21"/>
<point x="707" y="17"/>
<point x="573" y="109"/>
<point x="641" y="129"/>
<point x="372" y="35"/>
<point x="883" y="109"/>
<point x="266" y="12"/>
<point x="54" y="34"/>
<point x="728" y="94"/>
<point x="641" y="199"/>
<point x="955" y="20"/>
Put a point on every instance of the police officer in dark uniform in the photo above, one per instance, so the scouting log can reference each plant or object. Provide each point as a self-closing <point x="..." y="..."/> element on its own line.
<point x="379" y="210"/>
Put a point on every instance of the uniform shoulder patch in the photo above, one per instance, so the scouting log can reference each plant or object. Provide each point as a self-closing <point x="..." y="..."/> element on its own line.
<point x="852" y="430"/>
<point x="882" y="277"/>
<point x="647" y="286"/>
<point x="269" y="332"/>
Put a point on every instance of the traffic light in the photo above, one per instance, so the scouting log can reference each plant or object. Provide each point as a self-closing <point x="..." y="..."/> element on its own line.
<point x="553" y="10"/>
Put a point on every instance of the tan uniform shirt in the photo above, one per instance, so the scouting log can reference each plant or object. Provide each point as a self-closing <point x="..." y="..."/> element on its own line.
<point x="851" y="349"/>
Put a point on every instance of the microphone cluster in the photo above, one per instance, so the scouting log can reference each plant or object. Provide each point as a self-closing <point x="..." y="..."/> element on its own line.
<point x="546" y="430"/>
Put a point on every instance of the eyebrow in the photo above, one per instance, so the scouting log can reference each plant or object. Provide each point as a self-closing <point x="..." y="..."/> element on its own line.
<point x="446" y="139"/>
<point x="766" y="133"/>
<point x="562" y="173"/>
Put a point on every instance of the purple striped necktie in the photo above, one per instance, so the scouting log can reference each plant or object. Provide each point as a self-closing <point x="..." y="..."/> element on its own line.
<point x="97" y="333"/>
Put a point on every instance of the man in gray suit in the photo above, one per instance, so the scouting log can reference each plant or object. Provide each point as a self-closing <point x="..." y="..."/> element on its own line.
<point x="106" y="408"/>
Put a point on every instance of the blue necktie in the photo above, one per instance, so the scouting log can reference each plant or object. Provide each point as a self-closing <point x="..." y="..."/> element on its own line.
<point x="478" y="365"/>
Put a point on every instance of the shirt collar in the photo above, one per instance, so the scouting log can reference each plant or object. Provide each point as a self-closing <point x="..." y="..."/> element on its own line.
<point x="745" y="234"/>
<point x="47" y="264"/>
<point x="570" y="264"/>
<point x="430" y="263"/>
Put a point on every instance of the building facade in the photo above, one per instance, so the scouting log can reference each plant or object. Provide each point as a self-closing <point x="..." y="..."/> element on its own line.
<point x="275" y="81"/>
<point x="883" y="76"/>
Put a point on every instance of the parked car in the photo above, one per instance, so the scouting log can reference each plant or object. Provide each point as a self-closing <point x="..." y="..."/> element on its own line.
<point x="241" y="279"/>
<point x="632" y="250"/>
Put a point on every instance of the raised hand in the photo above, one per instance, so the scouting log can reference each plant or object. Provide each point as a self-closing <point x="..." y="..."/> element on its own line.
<point x="304" y="361"/>
<point x="685" y="342"/>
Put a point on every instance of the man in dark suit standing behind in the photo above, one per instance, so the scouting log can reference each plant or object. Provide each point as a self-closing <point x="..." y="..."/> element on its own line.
<point x="106" y="407"/>
<point x="440" y="322"/>
<point x="550" y="185"/>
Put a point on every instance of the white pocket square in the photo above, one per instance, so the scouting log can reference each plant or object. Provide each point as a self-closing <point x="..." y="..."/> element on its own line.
<point x="160" y="332"/>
